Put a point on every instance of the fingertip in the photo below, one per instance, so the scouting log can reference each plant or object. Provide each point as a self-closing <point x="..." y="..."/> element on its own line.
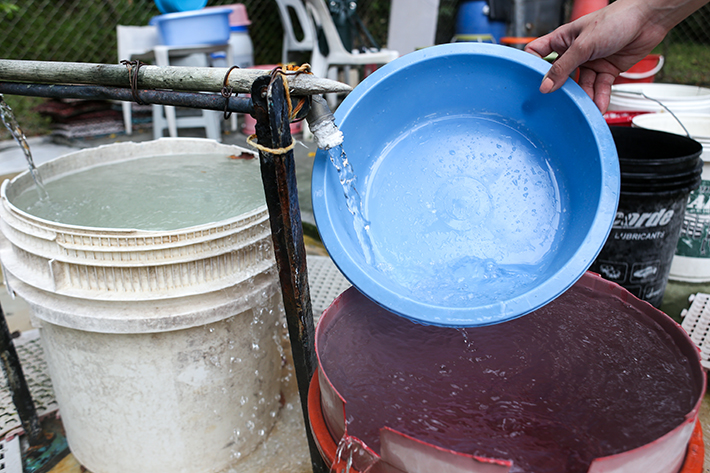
<point x="529" y="49"/>
<point x="602" y="102"/>
<point x="547" y="85"/>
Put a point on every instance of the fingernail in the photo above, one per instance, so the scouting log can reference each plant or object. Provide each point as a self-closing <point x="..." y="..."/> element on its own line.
<point x="547" y="85"/>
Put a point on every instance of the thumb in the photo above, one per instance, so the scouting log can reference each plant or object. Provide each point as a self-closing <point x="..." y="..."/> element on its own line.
<point x="560" y="70"/>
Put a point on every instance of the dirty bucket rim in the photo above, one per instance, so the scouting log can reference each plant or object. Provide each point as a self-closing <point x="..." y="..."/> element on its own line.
<point x="25" y="175"/>
<point x="327" y="446"/>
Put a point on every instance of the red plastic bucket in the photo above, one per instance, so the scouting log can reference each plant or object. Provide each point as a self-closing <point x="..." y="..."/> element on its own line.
<point x="643" y="71"/>
<point x="584" y="7"/>
<point x="352" y="315"/>
<point x="621" y="117"/>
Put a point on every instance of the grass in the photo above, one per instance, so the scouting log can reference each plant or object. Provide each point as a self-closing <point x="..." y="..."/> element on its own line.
<point x="686" y="63"/>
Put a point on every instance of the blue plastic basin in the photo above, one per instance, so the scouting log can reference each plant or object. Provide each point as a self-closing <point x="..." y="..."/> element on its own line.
<point x="175" y="6"/>
<point x="206" y="26"/>
<point x="485" y="198"/>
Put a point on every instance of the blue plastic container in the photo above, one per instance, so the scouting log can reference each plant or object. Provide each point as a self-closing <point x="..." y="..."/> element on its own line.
<point x="472" y="20"/>
<point x="175" y="6"/>
<point x="206" y="26"/>
<point x="485" y="198"/>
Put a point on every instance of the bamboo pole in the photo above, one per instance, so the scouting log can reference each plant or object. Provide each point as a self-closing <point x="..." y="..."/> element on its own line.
<point x="204" y="79"/>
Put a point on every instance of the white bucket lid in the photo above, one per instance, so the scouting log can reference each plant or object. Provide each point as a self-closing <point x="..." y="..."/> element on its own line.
<point x="646" y="97"/>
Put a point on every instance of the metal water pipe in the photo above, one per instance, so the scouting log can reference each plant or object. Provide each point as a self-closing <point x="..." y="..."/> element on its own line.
<point x="20" y="392"/>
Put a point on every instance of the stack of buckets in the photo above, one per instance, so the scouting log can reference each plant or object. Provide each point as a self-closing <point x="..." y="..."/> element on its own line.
<point x="658" y="172"/>
<point x="692" y="256"/>
<point x="661" y="225"/>
<point x="162" y="346"/>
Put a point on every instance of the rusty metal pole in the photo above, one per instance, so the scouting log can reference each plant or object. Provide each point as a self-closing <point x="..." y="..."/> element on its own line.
<point x="21" y="397"/>
<point x="278" y="173"/>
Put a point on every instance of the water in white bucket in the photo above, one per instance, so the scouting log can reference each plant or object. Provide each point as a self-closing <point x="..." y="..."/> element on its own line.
<point x="176" y="191"/>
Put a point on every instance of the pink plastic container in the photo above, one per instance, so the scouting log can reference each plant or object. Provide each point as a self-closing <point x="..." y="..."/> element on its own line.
<point x="249" y="123"/>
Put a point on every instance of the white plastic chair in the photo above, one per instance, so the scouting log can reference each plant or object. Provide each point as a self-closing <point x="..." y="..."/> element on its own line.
<point x="143" y="43"/>
<point x="134" y="40"/>
<point x="338" y="56"/>
<point x="290" y="42"/>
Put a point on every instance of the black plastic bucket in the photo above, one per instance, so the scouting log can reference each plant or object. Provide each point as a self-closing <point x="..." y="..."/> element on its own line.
<point x="663" y="186"/>
<point x="654" y="152"/>
<point x="641" y="245"/>
<point x="644" y="179"/>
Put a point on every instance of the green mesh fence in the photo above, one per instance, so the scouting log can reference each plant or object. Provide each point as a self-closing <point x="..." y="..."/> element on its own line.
<point x="84" y="30"/>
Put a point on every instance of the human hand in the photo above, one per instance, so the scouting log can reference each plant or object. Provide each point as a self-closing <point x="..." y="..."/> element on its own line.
<point x="607" y="42"/>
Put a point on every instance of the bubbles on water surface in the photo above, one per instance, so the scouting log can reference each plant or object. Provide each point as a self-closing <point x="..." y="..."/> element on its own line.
<point x="163" y="193"/>
<point x="485" y="209"/>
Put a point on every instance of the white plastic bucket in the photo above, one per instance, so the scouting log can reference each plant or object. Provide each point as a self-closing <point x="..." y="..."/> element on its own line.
<point x="242" y="47"/>
<point x="677" y="97"/>
<point x="163" y="347"/>
<point x="691" y="262"/>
